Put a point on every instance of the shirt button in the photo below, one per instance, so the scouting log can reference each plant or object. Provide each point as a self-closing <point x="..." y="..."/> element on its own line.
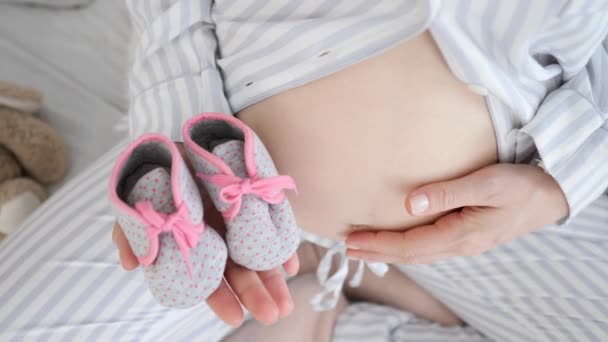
<point x="477" y="89"/>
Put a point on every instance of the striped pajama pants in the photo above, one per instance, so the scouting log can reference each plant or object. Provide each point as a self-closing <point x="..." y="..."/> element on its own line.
<point x="60" y="280"/>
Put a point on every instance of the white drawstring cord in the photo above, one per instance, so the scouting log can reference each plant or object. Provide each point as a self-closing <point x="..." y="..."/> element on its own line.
<point x="332" y="284"/>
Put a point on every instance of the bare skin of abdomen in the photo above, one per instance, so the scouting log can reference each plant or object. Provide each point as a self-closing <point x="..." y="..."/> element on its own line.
<point x="357" y="141"/>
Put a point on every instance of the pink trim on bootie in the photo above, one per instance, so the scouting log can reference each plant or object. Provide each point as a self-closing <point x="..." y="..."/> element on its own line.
<point x="159" y="209"/>
<point x="246" y="188"/>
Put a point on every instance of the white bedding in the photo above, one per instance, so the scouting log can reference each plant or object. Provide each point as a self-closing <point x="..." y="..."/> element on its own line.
<point x="78" y="59"/>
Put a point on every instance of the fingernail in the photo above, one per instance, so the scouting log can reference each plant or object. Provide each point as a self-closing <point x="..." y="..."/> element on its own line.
<point x="271" y="322"/>
<point x="354" y="257"/>
<point x="353" y="246"/>
<point x="235" y="324"/>
<point x="287" y="310"/>
<point x="419" y="204"/>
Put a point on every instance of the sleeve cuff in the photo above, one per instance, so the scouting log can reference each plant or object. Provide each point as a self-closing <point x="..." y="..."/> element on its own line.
<point x="571" y="136"/>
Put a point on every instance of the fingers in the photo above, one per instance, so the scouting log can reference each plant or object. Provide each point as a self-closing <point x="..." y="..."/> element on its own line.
<point x="463" y="233"/>
<point x="479" y="188"/>
<point x="413" y="260"/>
<point x="226" y="306"/>
<point x="277" y="287"/>
<point x="252" y="293"/>
<point x="292" y="265"/>
<point x="424" y="240"/>
<point x="357" y="254"/>
<point x="264" y="294"/>
<point x="127" y="258"/>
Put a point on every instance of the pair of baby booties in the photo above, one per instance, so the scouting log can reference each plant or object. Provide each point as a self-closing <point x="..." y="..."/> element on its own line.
<point x="160" y="210"/>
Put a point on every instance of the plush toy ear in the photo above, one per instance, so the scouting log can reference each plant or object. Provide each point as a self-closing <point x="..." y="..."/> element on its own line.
<point x="37" y="146"/>
<point x="9" y="166"/>
<point x="19" y="98"/>
<point x="19" y="197"/>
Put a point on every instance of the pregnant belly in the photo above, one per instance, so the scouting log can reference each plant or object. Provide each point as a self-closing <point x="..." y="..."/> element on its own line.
<point x="358" y="140"/>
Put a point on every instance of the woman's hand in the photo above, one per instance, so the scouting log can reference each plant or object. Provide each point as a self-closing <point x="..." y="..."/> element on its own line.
<point x="493" y="205"/>
<point x="264" y="294"/>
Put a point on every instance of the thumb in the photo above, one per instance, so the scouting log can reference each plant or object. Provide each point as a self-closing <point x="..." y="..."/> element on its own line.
<point x="475" y="189"/>
<point x="127" y="258"/>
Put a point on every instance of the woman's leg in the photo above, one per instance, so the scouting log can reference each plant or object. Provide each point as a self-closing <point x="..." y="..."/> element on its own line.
<point x="303" y="325"/>
<point x="546" y="286"/>
<point x="365" y="321"/>
<point x="60" y="277"/>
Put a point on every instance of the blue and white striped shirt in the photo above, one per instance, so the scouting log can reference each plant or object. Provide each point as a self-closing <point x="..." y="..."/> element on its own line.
<point x="543" y="65"/>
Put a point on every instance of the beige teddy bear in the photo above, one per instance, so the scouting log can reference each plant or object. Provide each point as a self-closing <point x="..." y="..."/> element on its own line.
<point x="32" y="154"/>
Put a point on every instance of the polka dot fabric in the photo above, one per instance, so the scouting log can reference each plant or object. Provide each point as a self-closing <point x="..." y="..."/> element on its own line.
<point x="261" y="236"/>
<point x="155" y="187"/>
<point x="190" y="194"/>
<point x="167" y="277"/>
<point x="203" y="166"/>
